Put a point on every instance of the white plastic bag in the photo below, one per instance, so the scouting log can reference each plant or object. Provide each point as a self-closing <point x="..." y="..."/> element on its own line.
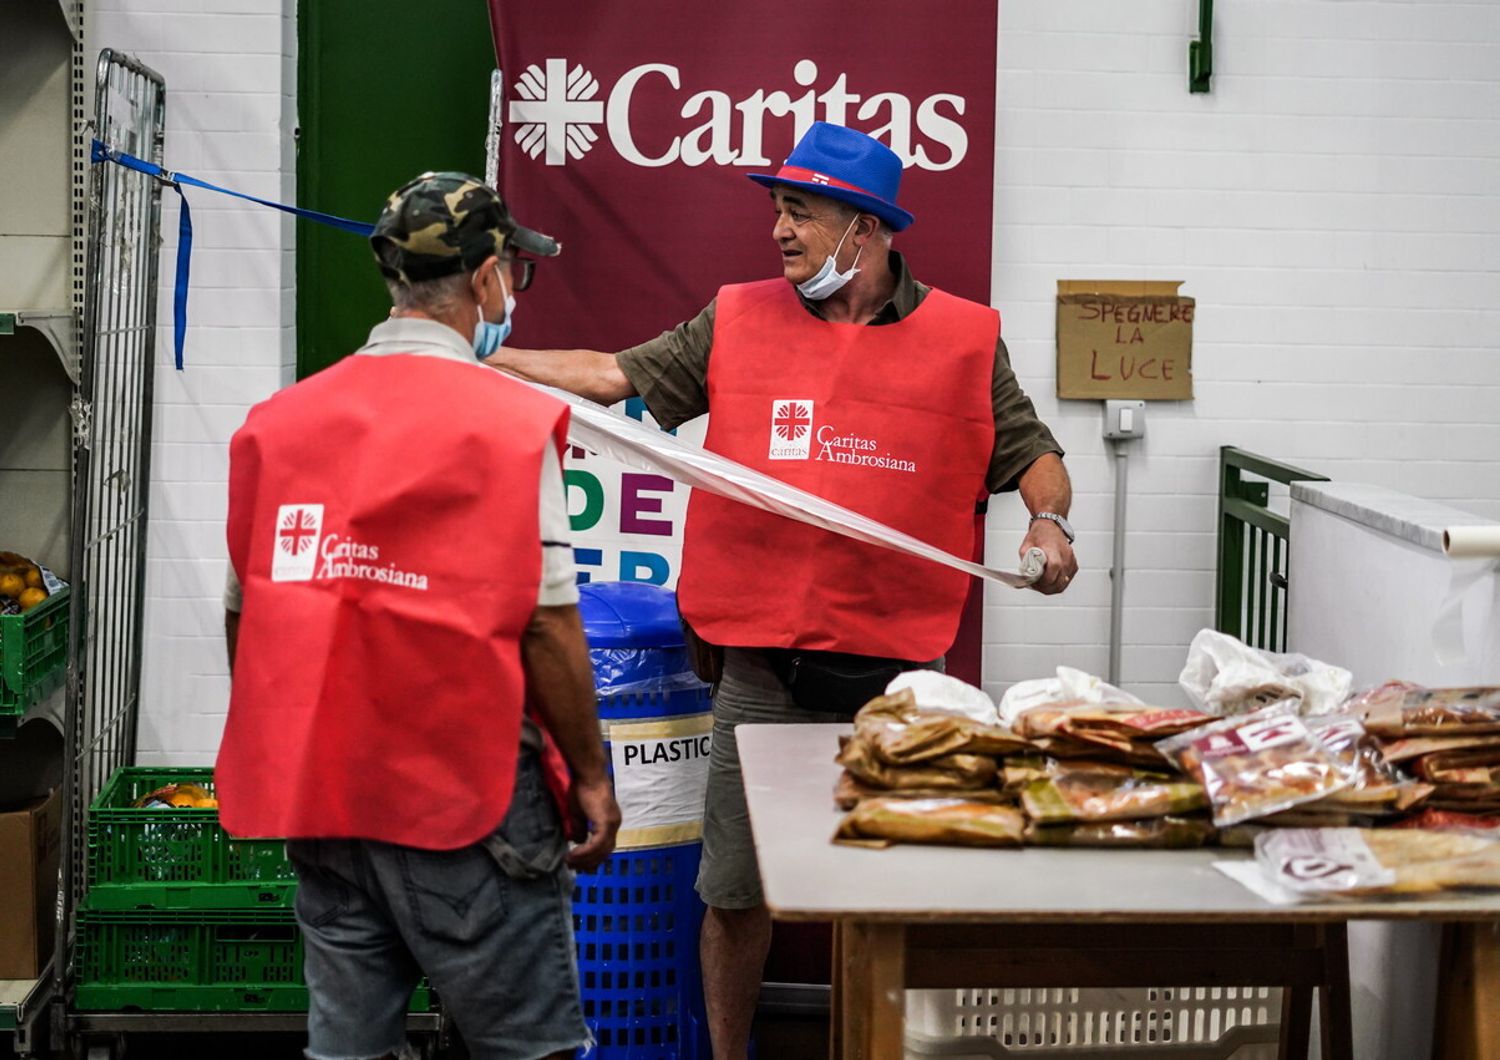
<point x="938" y="691"/>
<point x="1069" y="685"/>
<point x="1225" y="676"/>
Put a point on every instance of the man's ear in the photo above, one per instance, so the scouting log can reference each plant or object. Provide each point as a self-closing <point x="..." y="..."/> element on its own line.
<point x="482" y="276"/>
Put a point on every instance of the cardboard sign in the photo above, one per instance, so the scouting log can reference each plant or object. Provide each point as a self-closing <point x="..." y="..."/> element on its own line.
<point x="1124" y="339"/>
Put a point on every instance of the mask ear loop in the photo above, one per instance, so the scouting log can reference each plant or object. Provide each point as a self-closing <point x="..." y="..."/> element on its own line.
<point x="504" y="287"/>
<point x="857" y="252"/>
<point x="479" y="303"/>
<point x="478" y="313"/>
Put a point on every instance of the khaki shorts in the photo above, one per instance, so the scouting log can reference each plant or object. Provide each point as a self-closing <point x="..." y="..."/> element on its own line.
<point x="748" y="693"/>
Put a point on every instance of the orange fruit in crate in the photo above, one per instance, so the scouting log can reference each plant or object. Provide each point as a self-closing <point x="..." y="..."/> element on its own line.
<point x="12" y="585"/>
<point x="33" y="577"/>
<point x="31" y="597"/>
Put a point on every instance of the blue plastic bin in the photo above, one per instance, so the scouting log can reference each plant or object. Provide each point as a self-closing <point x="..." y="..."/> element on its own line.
<point x="636" y="919"/>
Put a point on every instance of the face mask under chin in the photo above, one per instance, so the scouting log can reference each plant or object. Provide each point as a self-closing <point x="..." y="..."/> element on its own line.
<point x="828" y="278"/>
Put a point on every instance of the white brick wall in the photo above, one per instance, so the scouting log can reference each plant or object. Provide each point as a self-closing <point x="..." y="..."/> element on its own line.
<point x="1333" y="204"/>
<point x="231" y="108"/>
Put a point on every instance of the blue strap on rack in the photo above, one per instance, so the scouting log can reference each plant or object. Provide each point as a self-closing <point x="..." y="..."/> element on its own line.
<point x="101" y="153"/>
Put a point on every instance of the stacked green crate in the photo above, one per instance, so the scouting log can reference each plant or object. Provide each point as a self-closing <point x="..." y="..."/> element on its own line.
<point x="179" y="915"/>
<point x="33" y="656"/>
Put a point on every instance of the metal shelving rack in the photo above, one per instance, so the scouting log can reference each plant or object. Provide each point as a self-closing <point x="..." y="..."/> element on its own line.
<point x="41" y="239"/>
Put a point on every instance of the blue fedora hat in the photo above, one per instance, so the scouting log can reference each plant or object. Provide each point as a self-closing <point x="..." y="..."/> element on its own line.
<point x="847" y="165"/>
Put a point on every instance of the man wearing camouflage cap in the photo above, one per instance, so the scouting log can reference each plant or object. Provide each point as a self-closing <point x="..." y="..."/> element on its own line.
<point x="412" y="701"/>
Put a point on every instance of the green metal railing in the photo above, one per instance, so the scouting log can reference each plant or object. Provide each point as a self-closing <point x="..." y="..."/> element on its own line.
<point x="1251" y="597"/>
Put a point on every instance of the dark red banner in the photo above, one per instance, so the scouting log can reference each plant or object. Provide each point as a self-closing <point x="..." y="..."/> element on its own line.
<point x="629" y="129"/>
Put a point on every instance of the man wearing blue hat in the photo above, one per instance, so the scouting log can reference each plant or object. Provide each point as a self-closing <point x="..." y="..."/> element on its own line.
<point x="848" y="378"/>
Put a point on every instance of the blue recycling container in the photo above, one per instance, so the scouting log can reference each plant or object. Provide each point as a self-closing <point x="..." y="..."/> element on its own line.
<point x="636" y="918"/>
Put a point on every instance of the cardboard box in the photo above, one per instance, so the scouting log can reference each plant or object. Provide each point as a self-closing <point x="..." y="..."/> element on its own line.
<point x="1124" y="339"/>
<point x="30" y="853"/>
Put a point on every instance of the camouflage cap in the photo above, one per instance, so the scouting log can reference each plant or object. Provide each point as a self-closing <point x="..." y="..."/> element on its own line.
<point x="439" y="224"/>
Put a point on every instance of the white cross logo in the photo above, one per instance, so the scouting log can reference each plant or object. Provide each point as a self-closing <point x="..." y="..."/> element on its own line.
<point x="555" y="110"/>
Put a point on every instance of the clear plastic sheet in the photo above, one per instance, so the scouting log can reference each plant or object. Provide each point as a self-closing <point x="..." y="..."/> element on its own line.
<point x="630" y="671"/>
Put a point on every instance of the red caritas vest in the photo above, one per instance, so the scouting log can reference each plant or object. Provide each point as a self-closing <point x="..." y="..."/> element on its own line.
<point x="383" y="521"/>
<point x="893" y="421"/>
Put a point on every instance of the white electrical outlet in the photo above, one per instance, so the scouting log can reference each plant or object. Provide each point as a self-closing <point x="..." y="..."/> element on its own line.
<point x="1124" y="419"/>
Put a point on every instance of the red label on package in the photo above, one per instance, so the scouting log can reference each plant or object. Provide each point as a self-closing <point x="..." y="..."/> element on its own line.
<point x="1252" y="737"/>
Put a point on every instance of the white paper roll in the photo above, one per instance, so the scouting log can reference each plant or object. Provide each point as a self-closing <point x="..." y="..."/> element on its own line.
<point x="1468" y="542"/>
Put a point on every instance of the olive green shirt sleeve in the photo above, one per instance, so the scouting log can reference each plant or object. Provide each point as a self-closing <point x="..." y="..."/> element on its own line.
<point x="1020" y="435"/>
<point x="670" y="372"/>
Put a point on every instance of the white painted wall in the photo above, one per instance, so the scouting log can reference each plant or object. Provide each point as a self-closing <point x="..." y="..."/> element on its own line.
<point x="230" y="67"/>
<point x="1334" y="207"/>
<point x="1333" y="204"/>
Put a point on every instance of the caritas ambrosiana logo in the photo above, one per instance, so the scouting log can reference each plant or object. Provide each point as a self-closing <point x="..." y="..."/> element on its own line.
<point x="791" y="428"/>
<point x="301" y="552"/>
<point x="294" y="555"/>
<point x="559" y="111"/>
<point x="795" y="436"/>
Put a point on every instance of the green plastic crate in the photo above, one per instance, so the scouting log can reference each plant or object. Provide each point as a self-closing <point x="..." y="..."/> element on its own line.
<point x="33" y="654"/>
<point x="223" y="961"/>
<point x="177" y="859"/>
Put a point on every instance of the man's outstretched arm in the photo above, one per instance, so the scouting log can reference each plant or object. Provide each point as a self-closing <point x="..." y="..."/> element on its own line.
<point x="587" y="373"/>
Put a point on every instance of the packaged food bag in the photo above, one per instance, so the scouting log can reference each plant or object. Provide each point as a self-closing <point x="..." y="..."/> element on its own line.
<point x="849" y="791"/>
<point x="1480" y="765"/>
<point x="1155" y="833"/>
<point x="1125" y="734"/>
<point x="1376" y="786"/>
<point x="900" y="734"/>
<point x="955" y="822"/>
<point x="1256" y="764"/>
<point x="956" y="772"/>
<point x="1106" y="797"/>
<point x="1361" y="861"/>
<point x="1398" y="709"/>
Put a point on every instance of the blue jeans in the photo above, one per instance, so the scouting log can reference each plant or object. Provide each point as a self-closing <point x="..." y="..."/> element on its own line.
<point x="497" y="947"/>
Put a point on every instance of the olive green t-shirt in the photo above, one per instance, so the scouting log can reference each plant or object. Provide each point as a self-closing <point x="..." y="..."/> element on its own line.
<point x="670" y="373"/>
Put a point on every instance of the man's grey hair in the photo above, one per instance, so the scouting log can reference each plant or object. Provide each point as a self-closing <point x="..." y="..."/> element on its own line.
<point x="438" y="297"/>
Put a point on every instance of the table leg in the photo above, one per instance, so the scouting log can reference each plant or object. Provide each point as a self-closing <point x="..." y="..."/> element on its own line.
<point x="836" y="995"/>
<point x="1296" y="1022"/>
<point x="872" y="1000"/>
<point x="1468" y="1018"/>
<point x="1334" y="1015"/>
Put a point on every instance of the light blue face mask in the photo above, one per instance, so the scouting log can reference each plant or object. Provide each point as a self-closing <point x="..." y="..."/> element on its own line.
<point x="828" y="279"/>
<point x="490" y="337"/>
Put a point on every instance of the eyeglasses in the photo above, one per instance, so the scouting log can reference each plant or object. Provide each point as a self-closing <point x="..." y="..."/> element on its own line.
<point x="527" y="267"/>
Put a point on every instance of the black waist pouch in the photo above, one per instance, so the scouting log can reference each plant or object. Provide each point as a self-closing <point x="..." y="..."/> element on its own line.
<point x="834" y="682"/>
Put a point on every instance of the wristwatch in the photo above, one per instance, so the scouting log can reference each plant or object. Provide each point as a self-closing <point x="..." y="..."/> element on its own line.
<point x="1062" y="524"/>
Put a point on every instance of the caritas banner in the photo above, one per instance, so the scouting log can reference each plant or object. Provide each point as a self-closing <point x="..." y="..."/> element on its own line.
<point x="628" y="131"/>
